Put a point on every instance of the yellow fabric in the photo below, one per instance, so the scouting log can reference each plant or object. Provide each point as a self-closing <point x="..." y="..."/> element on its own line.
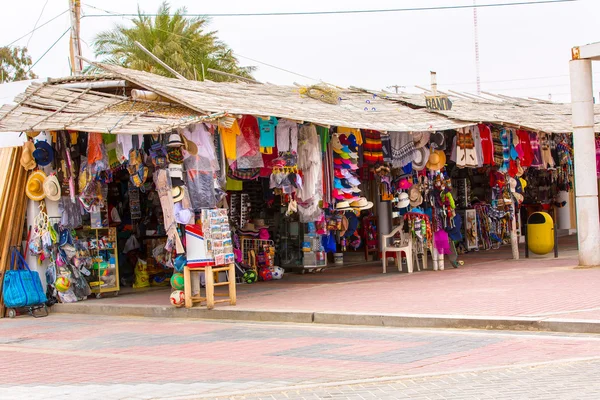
<point x="355" y="131"/>
<point x="228" y="136"/>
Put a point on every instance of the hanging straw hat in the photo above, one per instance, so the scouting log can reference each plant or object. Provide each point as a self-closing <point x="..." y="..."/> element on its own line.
<point x="420" y="158"/>
<point x="415" y="196"/>
<point x="189" y="146"/>
<point x="437" y="160"/>
<point x="35" y="186"/>
<point x="174" y="140"/>
<point x="177" y="193"/>
<point x="52" y="188"/>
<point x="27" y="160"/>
<point x="32" y="134"/>
<point x="420" y="139"/>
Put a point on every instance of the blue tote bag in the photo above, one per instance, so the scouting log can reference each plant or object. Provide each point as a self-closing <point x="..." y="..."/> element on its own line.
<point x="22" y="287"/>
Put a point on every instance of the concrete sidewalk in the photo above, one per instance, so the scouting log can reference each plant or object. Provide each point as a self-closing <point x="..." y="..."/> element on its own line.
<point x="489" y="292"/>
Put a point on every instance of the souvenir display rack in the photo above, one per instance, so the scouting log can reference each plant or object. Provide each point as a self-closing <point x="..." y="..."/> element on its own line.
<point x="102" y="246"/>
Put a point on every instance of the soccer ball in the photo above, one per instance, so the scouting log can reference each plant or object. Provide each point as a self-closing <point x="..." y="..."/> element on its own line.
<point x="277" y="272"/>
<point x="62" y="283"/>
<point x="177" y="298"/>
<point x="250" y="276"/>
<point x="177" y="281"/>
<point x="265" y="274"/>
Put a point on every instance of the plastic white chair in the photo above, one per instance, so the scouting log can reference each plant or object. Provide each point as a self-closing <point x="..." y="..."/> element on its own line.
<point x="406" y="247"/>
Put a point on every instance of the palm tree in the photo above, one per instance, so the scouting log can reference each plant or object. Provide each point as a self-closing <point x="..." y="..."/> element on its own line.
<point x="179" y="41"/>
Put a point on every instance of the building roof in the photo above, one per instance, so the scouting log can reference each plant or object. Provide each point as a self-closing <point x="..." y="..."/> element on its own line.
<point x="516" y="112"/>
<point x="356" y="109"/>
<point x="45" y="106"/>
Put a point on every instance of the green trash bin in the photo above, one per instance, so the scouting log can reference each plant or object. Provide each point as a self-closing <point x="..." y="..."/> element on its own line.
<point x="540" y="233"/>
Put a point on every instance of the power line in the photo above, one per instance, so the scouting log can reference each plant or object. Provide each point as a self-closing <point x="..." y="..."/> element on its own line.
<point x="35" y="29"/>
<point x="36" y="22"/>
<point x="49" y="48"/>
<point x="236" y="54"/>
<point x="272" y="14"/>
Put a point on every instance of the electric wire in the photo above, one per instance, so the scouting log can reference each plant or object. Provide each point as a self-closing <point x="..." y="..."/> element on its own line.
<point x="33" y="30"/>
<point x="49" y="48"/>
<point x="291" y="13"/>
<point x="36" y="22"/>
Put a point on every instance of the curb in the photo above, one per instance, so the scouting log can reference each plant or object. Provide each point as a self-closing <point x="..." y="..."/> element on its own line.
<point x="339" y="318"/>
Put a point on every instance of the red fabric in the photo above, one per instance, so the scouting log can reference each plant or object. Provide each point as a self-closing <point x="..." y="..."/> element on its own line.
<point x="249" y="128"/>
<point x="513" y="168"/>
<point x="487" y="145"/>
<point x="94" y="147"/>
<point x="267" y="158"/>
<point x="525" y="142"/>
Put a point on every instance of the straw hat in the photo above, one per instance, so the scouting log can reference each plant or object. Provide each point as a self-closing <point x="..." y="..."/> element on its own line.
<point x="27" y="160"/>
<point x="361" y="204"/>
<point x="43" y="153"/>
<point x="343" y="206"/>
<point x="52" y="188"/>
<point x="403" y="200"/>
<point x="420" y="139"/>
<point x="437" y="160"/>
<point x="32" y="134"/>
<point x="415" y="196"/>
<point x="420" y="158"/>
<point x="189" y="146"/>
<point x="35" y="186"/>
<point x="249" y="227"/>
<point x="174" y="140"/>
<point x="177" y="193"/>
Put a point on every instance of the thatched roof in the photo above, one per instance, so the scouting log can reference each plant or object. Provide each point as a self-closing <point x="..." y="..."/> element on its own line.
<point x="50" y="107"/>
<point x="528" y="114"/>
<point x="286" y="102"/>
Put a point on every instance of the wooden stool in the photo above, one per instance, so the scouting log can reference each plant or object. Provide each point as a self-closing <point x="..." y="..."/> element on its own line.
<point x="210" y="284"/>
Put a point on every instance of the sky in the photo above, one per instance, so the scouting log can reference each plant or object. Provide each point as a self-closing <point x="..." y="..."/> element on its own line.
<point x="524" y="50"/>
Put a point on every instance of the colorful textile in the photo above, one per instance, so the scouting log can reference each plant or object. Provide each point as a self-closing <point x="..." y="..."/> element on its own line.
<point x="354" y="131"/>
<point x="535" y="150"/>
<point x="525" y="145"/>
<point x="372" y="148"/>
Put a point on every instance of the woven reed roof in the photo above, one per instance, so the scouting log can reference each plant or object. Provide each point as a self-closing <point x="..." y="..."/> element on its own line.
<point x="286" y="102"/>
<point x="532" y="115"/>
<point x="48" y="107"/>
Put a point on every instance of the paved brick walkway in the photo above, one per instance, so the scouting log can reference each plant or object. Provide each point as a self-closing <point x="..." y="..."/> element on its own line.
<point x="490" y="284"/>
<point x="87" y="357"/>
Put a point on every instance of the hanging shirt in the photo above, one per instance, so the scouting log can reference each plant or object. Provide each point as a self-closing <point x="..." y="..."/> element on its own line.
<point x="287" y="136"/>
<point x="267" y="131"/>
<point x="487" y="146"/>
<point x="250" y="132"/>
<point x="229" y="136"/>
<point x="478" y="147"/>
<point x="525" y="145"/>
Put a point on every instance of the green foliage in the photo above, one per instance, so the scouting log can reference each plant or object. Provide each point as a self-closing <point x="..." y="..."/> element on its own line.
<point x="182" y="43"/>
<point x="15" y="64"/>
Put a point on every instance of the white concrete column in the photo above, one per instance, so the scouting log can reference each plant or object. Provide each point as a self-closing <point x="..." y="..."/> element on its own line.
<point x="586" y="189"/>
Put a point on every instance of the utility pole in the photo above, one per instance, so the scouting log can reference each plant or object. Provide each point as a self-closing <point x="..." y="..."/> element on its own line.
<point x="396" y="87"/>
<point x="476" y="35"/>
<point x="75" y="42"/>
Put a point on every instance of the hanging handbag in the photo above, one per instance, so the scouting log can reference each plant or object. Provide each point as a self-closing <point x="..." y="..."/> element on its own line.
<point x="22" y="287"/>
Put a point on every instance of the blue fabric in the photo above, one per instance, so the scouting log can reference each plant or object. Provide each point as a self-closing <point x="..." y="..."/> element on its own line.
<point x="352" y="224"/>
<point x="267" y="131"/>
<point x="22" y="287"/>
